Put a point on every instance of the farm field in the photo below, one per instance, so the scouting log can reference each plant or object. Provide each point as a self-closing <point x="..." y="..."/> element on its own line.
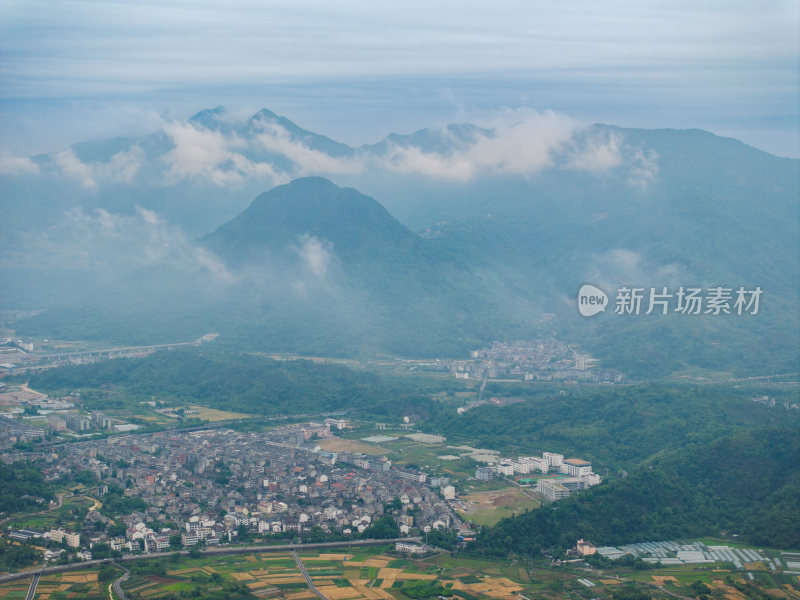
<point x="429" y="454"/>
<point x="722" y="583"/>
<point x="486" y="508"/>
<point x="362" y="574"/>
<point x="337" y="444"/>
<point x="61" y="586"/>
<point x="375" y="574"/>
<point x="213" y="414"/>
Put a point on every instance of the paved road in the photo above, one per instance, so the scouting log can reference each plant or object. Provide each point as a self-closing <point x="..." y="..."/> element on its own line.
<point x="311" y="585"/>
<point x="118" y="585"/>
<point x="32" y="589"/>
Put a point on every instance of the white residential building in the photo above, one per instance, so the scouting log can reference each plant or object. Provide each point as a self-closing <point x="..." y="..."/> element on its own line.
<point x="552" y="490"/>
<point x="553" y="459"/>
<point x="409" y="548"/>
<point x="521" y="467"/>
<point x="73" y="540"/>
<point x="592" y="479"/>
<point x="484" y="473"/>
<point x="535" y="463"/>
<point x="577" y="467"/>
<point x="505" y="468"/>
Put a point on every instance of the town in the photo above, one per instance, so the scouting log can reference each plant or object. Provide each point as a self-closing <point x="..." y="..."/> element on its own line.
<point x="532" y="360"/>
<point x="216" y="485"/>
<point x="211" y="486"/>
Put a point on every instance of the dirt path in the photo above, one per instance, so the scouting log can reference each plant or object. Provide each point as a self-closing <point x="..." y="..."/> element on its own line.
<point x="24" y="387"/>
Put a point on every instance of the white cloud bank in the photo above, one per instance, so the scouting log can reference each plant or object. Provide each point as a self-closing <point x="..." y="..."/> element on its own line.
<point x="112" y="244"/>
<point x="516" y="143"/>
<point x="619" y="266"/>
<point x="521" y="143"/>
<point x="17" y="165"/>
<point x="121" y="168"/>
<point x="211" y="155"/>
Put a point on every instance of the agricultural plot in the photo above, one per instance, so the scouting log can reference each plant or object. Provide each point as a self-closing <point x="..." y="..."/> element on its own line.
<point x="363" y="574"/>
<point x="487" y="508"/>
<point x="433" y="458"/>
<point x="429" y="452"/>
<point x="337" y="444"/>
<point x="371" y="574"/>
<point x="15" y="589"/>
<point x="213" y="414"/>
<point x="62" y="586"/>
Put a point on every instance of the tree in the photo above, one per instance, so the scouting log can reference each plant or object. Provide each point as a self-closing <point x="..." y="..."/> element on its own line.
<point x="384" y="528"/>
<point x="242" y="534"/>
<point x="107" y="573"/>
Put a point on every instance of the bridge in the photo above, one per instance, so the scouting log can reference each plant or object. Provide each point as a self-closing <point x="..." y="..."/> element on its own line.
<point x="306" y="576"/>
<point x="56" y="359"/>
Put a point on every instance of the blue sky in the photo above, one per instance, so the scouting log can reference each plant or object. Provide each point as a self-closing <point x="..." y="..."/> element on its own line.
<point x="75" y="70"/>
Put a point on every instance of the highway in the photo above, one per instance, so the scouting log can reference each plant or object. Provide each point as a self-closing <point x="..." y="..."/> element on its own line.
<point x="32" y="589"/>
<point x="302" y="568"/>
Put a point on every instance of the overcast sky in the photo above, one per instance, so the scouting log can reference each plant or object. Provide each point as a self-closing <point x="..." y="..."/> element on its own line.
<point x="72" y="70"/>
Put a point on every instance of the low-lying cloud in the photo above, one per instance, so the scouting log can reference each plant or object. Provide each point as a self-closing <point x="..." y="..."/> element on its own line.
<point x="264" y="151"/>
<point x="619" y="266"/>
<point x="211" y="155"/>
<point x="316" y="254"/>
<point x="111" y="245"/>
<point x="121" y="168"/>
<point x="306" y="160"/>
<point x="597" y="153"/>
<point x="11" y="165"/>
<point x="519" y="144"/>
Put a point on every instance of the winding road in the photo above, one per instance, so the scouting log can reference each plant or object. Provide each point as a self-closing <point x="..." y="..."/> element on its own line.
<point x="311" y="585"/>
<point x="117" y="585"/>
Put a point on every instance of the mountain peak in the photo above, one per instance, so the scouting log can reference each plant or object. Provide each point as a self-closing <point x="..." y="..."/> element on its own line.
<point x="264" y="113"/>
<point x="210" y="117"/>
<point x="354" y="224"/>
<point x="313" y="140"/>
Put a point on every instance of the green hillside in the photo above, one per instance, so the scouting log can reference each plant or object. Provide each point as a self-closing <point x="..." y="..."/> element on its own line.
<point x="744" y="483"/>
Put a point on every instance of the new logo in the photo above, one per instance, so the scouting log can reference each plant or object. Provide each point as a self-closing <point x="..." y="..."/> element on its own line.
<point x="591" y="300"/>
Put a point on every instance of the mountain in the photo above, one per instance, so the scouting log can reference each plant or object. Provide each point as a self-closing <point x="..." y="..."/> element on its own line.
<point x="307" y="267"/>
<point x="476" y="234"/>
<point x="356" y="226"/>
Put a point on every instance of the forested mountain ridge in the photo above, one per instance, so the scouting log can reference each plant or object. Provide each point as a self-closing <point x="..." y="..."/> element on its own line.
<point x="512" y="222"/>
<point x="747" y="483"/>
<point x="617" y="427"/>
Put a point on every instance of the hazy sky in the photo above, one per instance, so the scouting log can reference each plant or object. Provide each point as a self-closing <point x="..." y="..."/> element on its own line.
<point x="72" y="70"/>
